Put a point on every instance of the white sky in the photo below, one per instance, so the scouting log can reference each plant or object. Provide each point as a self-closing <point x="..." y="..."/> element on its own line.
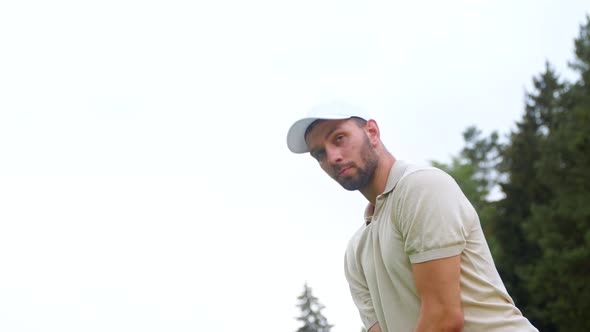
<point x="145" y="182"/>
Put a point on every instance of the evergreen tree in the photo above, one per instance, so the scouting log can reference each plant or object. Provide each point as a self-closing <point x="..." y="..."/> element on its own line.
<point x="559" y="224"/>
<point x="311" y="315"/>
<point x="523" y="189"/>
<point x="540" y="230"/>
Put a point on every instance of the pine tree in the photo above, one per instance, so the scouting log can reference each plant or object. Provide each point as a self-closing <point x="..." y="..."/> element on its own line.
<point x="540" y="230"/>
<point x="523" y="189"/>
<point x="311" y="315"/>
<point x="559" y="225"/>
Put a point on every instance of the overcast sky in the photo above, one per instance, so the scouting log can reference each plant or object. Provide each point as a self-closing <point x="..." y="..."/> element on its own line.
<point x="145" y="181"/>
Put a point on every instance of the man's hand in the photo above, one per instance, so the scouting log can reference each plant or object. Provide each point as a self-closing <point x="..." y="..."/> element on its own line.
<point x="438" y="285"/>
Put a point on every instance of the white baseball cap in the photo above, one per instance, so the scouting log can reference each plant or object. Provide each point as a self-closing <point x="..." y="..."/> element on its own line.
<point x="331" y="111"/>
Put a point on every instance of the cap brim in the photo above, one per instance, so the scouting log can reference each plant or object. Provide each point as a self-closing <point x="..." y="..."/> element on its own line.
<point x="296" y="135"/>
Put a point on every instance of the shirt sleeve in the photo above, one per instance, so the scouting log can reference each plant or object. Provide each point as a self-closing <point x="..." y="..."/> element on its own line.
<point x="434" y="216"/>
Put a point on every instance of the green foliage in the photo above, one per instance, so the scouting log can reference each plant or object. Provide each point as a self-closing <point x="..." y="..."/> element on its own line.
<point x="539" y="231"/>
<point x="582" y="51"/>
<point x="524" y="190"/>
<point x="311" y="315"/>
<point x="559" y="225"/>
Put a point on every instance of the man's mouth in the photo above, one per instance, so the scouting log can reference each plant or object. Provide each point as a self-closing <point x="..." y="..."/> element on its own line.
<point x="344" y="171"/>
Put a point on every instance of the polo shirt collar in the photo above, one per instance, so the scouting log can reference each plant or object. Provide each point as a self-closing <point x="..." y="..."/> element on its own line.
<point x="395" y="174"/>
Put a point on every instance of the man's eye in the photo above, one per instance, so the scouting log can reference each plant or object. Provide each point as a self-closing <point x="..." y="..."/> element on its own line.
<point x="339" y="138"/>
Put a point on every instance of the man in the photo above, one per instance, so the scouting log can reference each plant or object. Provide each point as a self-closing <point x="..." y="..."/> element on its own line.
<point x="420" y="261"/>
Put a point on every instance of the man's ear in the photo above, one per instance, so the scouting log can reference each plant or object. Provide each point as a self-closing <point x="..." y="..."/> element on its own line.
<point x="372" y="130"/>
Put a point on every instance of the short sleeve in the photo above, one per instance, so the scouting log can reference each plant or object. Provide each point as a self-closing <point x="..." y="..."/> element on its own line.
<point x="434" y="216"/>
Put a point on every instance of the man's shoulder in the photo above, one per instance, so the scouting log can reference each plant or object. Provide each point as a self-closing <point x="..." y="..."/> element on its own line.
<point x="422" y="175"/>
<point x="424" y="182"/>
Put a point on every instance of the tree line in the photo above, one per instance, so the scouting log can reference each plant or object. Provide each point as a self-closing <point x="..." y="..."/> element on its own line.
<point x="539" y="228"/>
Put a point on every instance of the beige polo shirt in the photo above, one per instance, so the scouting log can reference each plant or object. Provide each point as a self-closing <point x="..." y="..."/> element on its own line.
<point x="423" y="215"/>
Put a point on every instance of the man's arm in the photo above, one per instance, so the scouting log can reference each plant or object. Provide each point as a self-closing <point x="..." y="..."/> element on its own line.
<point x="375" y="328"/>
<point x="438" y="286"/>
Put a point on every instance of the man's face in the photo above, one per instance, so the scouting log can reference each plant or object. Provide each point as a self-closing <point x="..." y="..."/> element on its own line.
<point x="344" y="151"/>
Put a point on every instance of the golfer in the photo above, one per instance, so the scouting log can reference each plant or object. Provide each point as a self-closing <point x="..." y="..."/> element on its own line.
<point x="420" y="261"/>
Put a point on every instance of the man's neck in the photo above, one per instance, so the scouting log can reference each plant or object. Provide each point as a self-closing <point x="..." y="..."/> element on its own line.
<point x="379" y="180"/>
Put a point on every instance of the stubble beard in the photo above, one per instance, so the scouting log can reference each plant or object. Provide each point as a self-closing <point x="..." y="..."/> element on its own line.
<point x="364" y="175"/>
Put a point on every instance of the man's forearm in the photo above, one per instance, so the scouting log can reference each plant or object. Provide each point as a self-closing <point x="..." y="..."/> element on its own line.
<point x="375" y="328"/>
<point x="438" y="283"/>
<point x="439" y="321"/>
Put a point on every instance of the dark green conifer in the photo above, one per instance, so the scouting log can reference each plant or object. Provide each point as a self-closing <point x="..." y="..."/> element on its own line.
<point x="311" y="313"/>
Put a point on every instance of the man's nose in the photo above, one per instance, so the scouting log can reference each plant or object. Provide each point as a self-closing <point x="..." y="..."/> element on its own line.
<point x="334" y="156"/>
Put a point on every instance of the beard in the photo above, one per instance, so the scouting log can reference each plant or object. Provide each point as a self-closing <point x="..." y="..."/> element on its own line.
<point x="364" y="174"/>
